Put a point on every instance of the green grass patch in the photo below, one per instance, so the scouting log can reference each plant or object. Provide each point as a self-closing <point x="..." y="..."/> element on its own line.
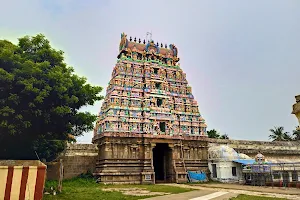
<point x="206" y="182"/>
<point x="250" y="197"/>
<point x="88" y="189"/>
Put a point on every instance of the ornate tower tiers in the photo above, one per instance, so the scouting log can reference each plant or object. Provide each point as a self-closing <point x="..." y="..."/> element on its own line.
<point x="148" y="102"/>
<point x="296" y="109"/>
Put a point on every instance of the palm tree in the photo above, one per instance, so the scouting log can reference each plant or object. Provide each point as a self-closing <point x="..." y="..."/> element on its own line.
<point x="213" y="134"/>
<point x="278" y="134"/>
<point x="287" y="137"/>
<point x="224" y="136"/>
<point x="296" y="134"/>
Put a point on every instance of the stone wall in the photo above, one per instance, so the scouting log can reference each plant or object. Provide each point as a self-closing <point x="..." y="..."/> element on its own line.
<point x="77" y="159"/>
<point x="271" y="150"/>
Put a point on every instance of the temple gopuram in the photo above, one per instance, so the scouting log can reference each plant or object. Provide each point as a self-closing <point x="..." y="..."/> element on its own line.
<point x="149" y="128"/>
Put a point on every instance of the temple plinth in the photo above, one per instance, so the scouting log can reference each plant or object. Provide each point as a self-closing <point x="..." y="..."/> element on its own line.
<point x="296" y="109"/>
<point x="149" y="128"/>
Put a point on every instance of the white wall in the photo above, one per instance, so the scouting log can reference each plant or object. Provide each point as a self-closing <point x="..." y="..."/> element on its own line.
<point x="224" y="171"/>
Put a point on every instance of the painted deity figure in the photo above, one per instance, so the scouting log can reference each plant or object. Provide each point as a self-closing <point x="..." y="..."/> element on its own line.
<point x="183" y="76"/>
<point x="170" y="75"/>
<point x="153" y="101"/>
<point x="162" y="73"/>
<point x="134" y="126"/>
<point x="170" y="127"/>
<point x="125" y="126"/>
<point x="128" y="68"/>
<point x="115" y="126"/>
<point x="123" y="42"/>
<point x="156" y="126"/>
<point x="122" y="113"/>
<point x="169" y="62"/>
<point x="148" y="84"/>
<point x="129" y="53"/>
<point x="147" y="71"/>
<point x="188" y="108"/>
<point x="153" y="86"/>
<point x="178" y="75"/>
<point x="182" y="90"/>
<point x="121" y="68"/>
<point x="134" y="53"/>
<point x="117" y="102"/>
<point x="188" y="90"/>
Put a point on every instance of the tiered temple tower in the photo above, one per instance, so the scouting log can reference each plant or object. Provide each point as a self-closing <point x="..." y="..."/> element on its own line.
<point x="148" y="108"/>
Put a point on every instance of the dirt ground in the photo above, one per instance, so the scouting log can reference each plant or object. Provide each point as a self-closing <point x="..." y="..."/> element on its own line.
<point x="288" y="193"/>
<point x="135" y="191"/>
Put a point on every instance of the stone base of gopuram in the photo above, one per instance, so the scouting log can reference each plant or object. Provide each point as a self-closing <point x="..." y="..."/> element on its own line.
<point x="127" y="158"/>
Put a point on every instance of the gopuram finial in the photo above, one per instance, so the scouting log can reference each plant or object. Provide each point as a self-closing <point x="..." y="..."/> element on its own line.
<point x="149" y="33"/>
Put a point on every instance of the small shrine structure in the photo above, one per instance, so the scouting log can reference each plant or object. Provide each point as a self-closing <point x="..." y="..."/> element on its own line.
<point x="149" y="128"/>
<point x="225" y="164"/>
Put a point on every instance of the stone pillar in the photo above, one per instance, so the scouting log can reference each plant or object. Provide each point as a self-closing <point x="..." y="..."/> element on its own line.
<point x="153" y="145"/>
<point x="173" y="164"/>
<point x="290" y="177"/>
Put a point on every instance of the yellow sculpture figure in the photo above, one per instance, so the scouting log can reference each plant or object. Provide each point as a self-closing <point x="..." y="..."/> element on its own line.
<point x="296" y="109"/>
<point x="123" y="42"/>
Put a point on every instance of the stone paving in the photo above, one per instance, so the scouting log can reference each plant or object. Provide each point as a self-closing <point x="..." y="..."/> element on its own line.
<point x="197" y="195"/>
<point x="227" y="191"/>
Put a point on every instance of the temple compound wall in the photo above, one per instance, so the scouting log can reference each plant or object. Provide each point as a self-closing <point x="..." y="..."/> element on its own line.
<point x="281" y="150"/>
<point x="80" y="158"/>
<point x="76" y="159"/>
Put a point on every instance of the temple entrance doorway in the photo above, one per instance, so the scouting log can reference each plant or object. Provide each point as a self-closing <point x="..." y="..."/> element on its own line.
<point x="162" y="162"/>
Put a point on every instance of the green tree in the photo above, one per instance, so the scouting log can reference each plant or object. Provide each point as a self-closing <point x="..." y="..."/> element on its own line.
<point x="213" y="134"/>
<point x="278" y="134"/>
<point x="296" y="134"/>
<point x="224" y="136"/>
<point x="40" y="98"/>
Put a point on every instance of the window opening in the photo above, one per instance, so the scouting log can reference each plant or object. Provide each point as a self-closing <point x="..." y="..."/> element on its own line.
<point x="158" y="85"/>
<point x="233" y="171"/>
<point x="159" y="102"/>
<point x="294" y="176"/>
<point x="162" y="126"/>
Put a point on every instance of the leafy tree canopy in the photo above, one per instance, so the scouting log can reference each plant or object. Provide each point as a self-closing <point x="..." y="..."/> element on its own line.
<point x="40" y="98"/>
<point x="279" y="134"/>
<point x="296" y="134"/>
<point x="213" y="133"/>
<point x="224" y="136"/>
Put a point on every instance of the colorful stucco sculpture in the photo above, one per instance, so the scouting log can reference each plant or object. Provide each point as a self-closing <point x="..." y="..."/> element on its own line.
<point x="296" y="109"/>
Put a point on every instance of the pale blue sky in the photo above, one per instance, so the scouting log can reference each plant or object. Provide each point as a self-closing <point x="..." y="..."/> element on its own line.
<point x="242" y="58"/>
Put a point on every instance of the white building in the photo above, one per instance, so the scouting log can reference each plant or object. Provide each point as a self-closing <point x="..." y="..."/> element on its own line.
<point x="225" y="164"/>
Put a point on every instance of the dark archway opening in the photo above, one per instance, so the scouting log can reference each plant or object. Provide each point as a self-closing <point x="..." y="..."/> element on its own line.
<point x="162" y="126"/>
<point x="158" y="86"/>
<point x="159" y="102"/>
<point x="162" y="161"/>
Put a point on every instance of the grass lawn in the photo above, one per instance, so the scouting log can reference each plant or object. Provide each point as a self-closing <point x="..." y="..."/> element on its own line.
<point x="250" y="197"/>
<point x="86" y="188"/>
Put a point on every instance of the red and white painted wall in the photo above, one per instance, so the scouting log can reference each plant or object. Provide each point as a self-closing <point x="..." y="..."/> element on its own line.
<point x="22" y="182"/>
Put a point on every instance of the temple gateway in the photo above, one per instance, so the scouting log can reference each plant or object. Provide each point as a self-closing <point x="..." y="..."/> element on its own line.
<point x="149" y="128"/>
